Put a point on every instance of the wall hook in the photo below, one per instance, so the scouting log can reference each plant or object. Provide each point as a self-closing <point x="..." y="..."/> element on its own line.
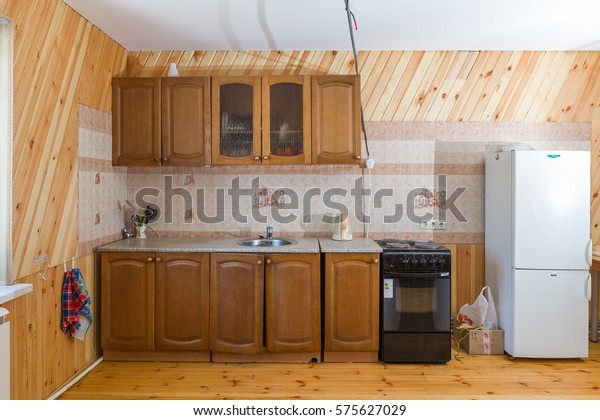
<point x="42" y="274"/>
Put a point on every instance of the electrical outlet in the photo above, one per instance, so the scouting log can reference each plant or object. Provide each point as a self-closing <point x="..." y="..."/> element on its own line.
<point x="433" y="225"/>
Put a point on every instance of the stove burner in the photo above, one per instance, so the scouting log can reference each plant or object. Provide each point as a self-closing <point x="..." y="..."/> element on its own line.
<point x="427" y="245"/>
<point x="406" y="244"/>
<point x="398" y="244"/>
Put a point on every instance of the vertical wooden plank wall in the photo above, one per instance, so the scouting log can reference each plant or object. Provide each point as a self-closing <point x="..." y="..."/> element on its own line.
<point x="60" y="60"/>
<point x="42" y="357"/>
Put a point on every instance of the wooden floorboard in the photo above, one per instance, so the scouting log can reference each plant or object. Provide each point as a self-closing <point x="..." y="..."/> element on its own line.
<point x="465" y="377"/>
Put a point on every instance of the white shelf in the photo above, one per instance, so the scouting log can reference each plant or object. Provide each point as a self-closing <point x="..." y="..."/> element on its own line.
<point x="8" y="293"/>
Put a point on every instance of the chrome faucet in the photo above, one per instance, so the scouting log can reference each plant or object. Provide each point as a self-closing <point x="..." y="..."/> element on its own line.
<point x="269" y="232"/>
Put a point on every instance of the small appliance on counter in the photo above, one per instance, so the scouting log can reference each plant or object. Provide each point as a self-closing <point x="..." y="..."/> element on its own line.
<point x="341" y="228"/>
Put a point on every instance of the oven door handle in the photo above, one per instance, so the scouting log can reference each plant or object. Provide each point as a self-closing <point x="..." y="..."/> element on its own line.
<point x="405" y="275"/>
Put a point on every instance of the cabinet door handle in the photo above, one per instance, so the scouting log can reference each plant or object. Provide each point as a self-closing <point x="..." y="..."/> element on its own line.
<point x="256" y="157"/>
<point x="158" y="259"/>
<point x="149" y="259"/>
<point x="259" y="262"/>
<point x="265" y="157"/>
<point x="357" y="157"/>
<point x="165" y="159"/>
<point x="157" y="159"/>
<point x="375" y="261"/>
<point x="268" y="261"/>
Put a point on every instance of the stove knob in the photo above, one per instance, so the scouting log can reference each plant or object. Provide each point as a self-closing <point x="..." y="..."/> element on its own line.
<point x="414" y="260"/>
<point x="433" y="260"/>
<point x="405" y="260"/>
<point x="423" y="260"/>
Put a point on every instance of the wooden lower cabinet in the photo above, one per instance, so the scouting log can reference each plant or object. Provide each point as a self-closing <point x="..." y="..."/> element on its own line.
<point x="182" y="316"/>
<point x="236" y="303"/>
<point x="292" y="303"/>
<point x="265" y="307"/>
<point x="154" y="306"/>
<point x="127" y="301"/>
<point x="351" y="307"/>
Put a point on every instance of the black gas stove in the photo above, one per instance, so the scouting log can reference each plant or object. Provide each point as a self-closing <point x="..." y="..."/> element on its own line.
<point x="415" y="301"/>
<point x="407" y="256"/>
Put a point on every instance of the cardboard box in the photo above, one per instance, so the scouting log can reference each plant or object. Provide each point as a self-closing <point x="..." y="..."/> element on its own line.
<point x="480" y="341"/>
<point x="484" y="342"/>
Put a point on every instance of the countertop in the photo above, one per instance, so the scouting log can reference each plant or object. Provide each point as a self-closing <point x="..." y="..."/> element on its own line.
<point x="302" y="245"/>
<point x="8" y="293"/>
<point x="355" y="245"/>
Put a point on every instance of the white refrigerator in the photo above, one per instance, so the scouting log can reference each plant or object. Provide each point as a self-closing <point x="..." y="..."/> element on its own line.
<point x="538" y="250"/>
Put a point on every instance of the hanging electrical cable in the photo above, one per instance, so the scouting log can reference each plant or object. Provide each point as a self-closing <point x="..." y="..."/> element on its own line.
<point x="352" y="19"/>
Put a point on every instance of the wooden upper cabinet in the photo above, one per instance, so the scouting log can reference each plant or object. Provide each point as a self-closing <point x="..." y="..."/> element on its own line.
<point x="196" y="121"/>
<point x="127" y="301"/>
<point x="336" y="119"/>
<point x="235" y="104"/>
<point x="293" y="302"/>
<point x="185" y="121"/>
<point x="286" y="120"/>
<point x="182" y="299"/>
<point x="351" y="302"/>
<point x="236" y="303"/>
<point x="136" y="121"/>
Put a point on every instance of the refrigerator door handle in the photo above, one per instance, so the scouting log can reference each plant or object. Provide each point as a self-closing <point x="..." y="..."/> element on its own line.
<point x="588" y="287"/>
<point x="589" y="256"/>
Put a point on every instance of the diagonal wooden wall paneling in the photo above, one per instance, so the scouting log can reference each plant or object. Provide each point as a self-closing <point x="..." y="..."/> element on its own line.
<point x="422" y="85"/>
<point x="502" y="86"/>
<point x="60" y="60"/>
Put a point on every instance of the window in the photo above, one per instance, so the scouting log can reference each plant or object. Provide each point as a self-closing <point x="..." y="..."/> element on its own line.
<point x="5" y="149"/>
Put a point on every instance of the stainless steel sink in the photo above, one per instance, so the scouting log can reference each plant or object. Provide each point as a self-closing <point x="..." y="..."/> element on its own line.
<point x="266" y="242"/>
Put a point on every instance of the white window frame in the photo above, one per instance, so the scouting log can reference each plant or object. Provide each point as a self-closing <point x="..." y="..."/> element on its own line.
<point x="6" y="150"/>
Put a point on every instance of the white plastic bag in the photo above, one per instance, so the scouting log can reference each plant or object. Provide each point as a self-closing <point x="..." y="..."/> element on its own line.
<point x="481" y="312"/>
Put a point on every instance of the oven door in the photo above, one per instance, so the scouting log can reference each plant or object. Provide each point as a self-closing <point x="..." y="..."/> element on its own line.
<point x="416" y="302"/>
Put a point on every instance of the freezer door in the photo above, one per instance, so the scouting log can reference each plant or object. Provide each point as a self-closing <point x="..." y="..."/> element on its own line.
<point x="551" y="210"/>
<point x="550" y="314"/>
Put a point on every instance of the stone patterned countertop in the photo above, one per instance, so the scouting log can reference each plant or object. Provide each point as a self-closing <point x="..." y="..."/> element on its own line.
<point x="301" y="245"/>
<point x="363" y="245"/>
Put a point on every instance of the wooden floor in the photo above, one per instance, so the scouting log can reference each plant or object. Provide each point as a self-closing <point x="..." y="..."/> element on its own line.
<point x="467" y="377"/>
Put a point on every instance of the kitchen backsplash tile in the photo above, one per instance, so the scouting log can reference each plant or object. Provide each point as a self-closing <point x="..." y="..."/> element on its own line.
<point x="101" y="186"/>
<point x="409" y="157"/>
<point x="413" y="160"/>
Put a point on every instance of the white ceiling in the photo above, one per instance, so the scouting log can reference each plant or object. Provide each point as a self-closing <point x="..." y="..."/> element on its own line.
<point x="142" y="25"/>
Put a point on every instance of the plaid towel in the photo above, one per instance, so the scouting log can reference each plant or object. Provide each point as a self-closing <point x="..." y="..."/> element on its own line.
<point x="85" y="314"/>
<point x="72" y="302"/>
<point x="86" y="310"/>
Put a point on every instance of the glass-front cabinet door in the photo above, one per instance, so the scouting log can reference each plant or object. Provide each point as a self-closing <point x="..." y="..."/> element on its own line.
<point x="261" y="120"/>
<point x="236" y="120"/>
<point x="286" y="120"/>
